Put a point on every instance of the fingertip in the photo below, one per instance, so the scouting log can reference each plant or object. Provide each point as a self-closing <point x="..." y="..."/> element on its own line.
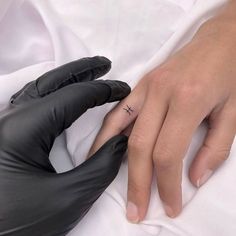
<point x="102" y="59"/>
<point x="100" y="65"/>
<point x="132" y="213"/>
<point x="192" y="177"/>
<point x="171" y="198"/>
<point x="136" y="210"/>
<point x="119" y="90"/>
<point x="207" y="173"/>
<point x="137" y="203"/>
<point x="170" y="211"/>
<point x="199" y="179"/>
<point x="199" y="171"/>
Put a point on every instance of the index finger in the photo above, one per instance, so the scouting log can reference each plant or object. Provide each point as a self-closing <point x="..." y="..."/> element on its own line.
<point x="119" y="119"/>
<point x="82" y="70"/>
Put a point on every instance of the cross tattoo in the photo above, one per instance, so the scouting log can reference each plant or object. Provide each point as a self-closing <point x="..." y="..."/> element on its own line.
<point x="129" y="110"/>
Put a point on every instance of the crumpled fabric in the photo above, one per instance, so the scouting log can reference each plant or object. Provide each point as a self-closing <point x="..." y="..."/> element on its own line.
<point x="136" y="36"/>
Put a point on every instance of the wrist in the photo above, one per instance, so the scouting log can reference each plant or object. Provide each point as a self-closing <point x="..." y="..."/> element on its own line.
<point x="222" y="26"/>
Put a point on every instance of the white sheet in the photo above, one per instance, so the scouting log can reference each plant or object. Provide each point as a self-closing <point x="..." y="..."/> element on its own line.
<point x="136" y="35"/>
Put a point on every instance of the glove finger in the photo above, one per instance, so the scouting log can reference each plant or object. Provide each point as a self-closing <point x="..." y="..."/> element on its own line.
<point x="82" y="70"/>
<point x="57" y="111"/>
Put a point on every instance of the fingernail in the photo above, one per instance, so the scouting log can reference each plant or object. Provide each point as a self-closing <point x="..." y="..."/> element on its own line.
<point x="132" y="212"/>
<point x="169" y="211"/>
<point x="204" y="178"/>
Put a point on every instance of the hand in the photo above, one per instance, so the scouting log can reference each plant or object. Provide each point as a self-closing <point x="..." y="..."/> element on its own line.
<point x="166" y="107"/>
<point x="34" y="199"/>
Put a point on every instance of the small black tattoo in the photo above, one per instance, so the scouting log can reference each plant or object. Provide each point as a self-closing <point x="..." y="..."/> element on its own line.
<point x="129" y="110"/>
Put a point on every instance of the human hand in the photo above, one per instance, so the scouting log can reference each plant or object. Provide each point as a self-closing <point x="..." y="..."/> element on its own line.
<point x="34" y="199"/>
<point x="166" y="107"/>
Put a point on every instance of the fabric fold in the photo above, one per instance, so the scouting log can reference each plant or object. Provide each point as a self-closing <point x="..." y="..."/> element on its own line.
<point x="136" y="36"/>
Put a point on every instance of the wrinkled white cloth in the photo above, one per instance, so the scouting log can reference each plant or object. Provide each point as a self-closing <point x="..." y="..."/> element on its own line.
<point x="136" y="35"/>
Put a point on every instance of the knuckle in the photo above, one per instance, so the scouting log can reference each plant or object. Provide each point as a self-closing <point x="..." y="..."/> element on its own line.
<point x="136" y="142"/>
<point x="222" y="154"/>
<point x="221" y="157"/>
<point x="158" y="78"/>
<point x="187" y="94"/>
<point x="133" y="187"/>
<point x="136" y="188"/>
<point x="163" y="159"/>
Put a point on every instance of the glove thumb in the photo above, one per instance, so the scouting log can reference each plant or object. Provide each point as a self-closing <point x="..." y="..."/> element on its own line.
<point x="88" y="181"/>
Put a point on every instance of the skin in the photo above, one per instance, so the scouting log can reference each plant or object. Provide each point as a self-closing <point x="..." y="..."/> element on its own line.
<point x="169" y="103"/>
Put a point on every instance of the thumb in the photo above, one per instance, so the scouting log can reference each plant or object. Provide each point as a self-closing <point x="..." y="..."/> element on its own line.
<point x="89" y="180"/>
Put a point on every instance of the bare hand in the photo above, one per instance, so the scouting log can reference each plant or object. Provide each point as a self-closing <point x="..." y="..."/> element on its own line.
<point x="167" y="106"/>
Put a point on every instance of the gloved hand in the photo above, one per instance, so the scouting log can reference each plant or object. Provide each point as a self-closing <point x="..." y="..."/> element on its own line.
<point x="34" y="199"/>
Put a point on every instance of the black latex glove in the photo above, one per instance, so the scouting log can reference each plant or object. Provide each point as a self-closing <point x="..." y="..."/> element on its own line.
<point x="34" y="199"/>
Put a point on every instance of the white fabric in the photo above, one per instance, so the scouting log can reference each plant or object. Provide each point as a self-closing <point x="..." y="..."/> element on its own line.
<point x="136" y="35"/>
